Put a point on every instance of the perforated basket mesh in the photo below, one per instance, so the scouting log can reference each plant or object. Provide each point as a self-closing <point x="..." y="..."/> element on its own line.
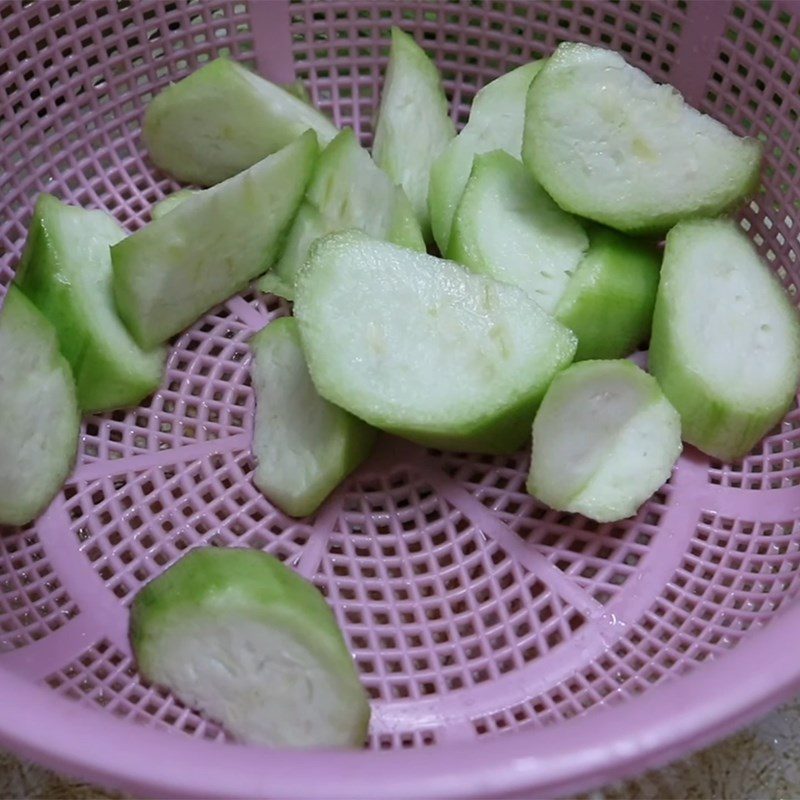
<point x="485" y="626"/>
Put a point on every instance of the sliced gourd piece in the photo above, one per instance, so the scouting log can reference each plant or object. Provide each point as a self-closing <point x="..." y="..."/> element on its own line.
<point x="307" y="226"/>
<point x="346" y="191"/>
<point x="422" y="348"/>
<point x="238" y="635"/>
<point x="66" y="272"/>
<point x="726" y="340"/>
<point x="508" y="228"/>
<point x="495" y="122"/>
<point x="608" y="302"/>
<point x="348" y="187"/>
<point x="171" y="201"/>
<point x="209" y="247"/>
<point x="413" y="125"/>
<point x="608" y="143"/>
<point x="305" y="445"/>
<point x="39" y="418"/>
<point x="221" y="120"/>
<point x="604" y="440"/>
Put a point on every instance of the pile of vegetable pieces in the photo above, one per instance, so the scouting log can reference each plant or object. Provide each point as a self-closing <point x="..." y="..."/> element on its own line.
<point x="549" y="207"/>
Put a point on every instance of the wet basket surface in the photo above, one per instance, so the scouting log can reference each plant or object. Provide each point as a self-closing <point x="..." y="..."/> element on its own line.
<point x="508" y="648"/>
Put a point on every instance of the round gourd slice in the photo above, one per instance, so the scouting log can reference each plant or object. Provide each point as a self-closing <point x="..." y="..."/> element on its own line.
<point x="423" y="348"/>
<point x="604" y="440"/>
<point x="608" y="143"/>
<point x="238" y="635"/>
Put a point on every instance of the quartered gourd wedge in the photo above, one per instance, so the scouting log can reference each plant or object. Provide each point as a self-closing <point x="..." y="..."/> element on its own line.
<point x="508" y="228"/>
<point x="423" y="348"/>
<point x="211" y="246"/>
<point x="66" y="271"/>
<point x="222" y="119"/>
<point x="413" y="125"/>
<point x="305" y="446"/>
<point x="600" y="283"/>
<point x="496" y="120"/>
<point x="726" y="340"/>
<point x="604" y="440"/>
<point x="608" y="143"/>
<point x="347" y="190"/>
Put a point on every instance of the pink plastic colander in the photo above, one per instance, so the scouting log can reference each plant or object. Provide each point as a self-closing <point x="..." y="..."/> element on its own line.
<point x="508" y="649"/>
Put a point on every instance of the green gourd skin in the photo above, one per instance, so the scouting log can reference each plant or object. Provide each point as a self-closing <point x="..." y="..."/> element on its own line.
<point x="608" y="303"/>
<point x="170" y="202"/>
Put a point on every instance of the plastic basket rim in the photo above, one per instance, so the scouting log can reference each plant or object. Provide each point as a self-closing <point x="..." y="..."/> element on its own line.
<point x="572" y="756"/>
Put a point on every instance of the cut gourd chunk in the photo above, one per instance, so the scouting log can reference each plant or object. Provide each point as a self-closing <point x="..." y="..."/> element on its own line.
<point x="308" y="225"/>
<point x="305" y="446"/>
<point x="423" y="348"/>
<point x="604" y="440"/>
<point x="726" y="340"/>
<point x="221" y="120"/>
<point x="496" y="120"/>
<point x="608" y="143"/>
<point x="171" y="201"/>
<point x="66" y="272"/>
<point x="238" y="635"/>
<point x="508" y="228"/>
<point x="39" y="418"/>
<point x="413" y="125"/>
<point x="608" y="302"/>
<point x="209" y="247"/>
<point x="347" y="190"/>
